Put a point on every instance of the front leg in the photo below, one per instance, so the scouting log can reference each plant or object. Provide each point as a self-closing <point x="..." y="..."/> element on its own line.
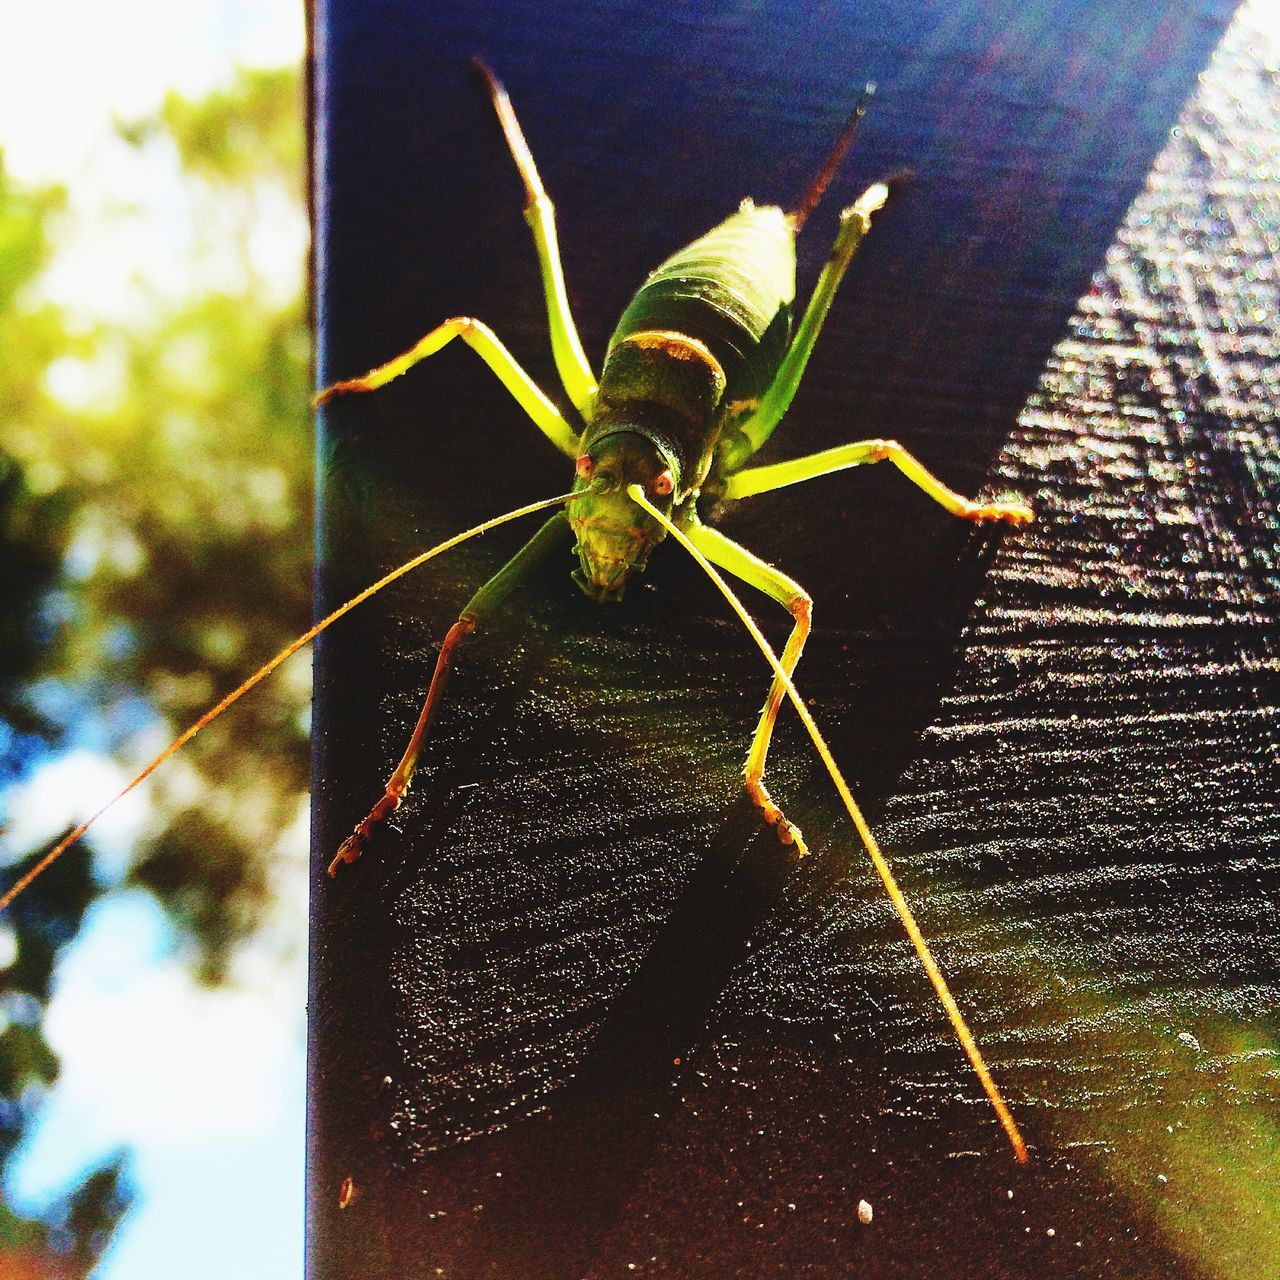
<point x="737" y="560"/>
<point x="398" y="784"/>
<point x="553" y="534"/>
<point x="685" y="538"/>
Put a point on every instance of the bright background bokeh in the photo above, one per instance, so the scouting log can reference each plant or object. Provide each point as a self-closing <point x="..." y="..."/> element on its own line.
<point x="154" y="546"/>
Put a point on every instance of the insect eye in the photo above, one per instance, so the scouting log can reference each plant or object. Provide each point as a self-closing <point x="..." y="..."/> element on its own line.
<point x="584" y="466"/>
<point x="664" y="483"/>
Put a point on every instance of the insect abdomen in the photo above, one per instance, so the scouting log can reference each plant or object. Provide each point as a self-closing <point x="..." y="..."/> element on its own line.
<point x="732" y="289"/>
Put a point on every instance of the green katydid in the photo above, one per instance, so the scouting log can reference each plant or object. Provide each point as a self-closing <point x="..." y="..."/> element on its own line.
<point x="699" y="372"/>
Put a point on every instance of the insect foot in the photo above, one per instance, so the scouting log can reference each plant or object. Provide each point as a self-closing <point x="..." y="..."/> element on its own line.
<point x="788" y="832"/>
<point x="353" y="845"/>
<point x="1009" y="512"/>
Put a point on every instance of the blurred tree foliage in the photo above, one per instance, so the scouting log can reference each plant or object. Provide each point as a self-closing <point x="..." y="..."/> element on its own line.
<point x="154" y="548"/>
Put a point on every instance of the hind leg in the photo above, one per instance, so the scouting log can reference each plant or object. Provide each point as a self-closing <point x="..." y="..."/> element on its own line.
<point x="855" y="222"/>
<point x="540" y="214"/>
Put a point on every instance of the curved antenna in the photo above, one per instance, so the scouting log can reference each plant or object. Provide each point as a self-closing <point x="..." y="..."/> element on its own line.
<point x="262" y="673"/>
<point x="869" y="841"/>
<point x="798" y="216"/>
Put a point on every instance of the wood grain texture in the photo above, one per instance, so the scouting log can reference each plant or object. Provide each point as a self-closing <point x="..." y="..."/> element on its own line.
<point x="1066" y="737"/>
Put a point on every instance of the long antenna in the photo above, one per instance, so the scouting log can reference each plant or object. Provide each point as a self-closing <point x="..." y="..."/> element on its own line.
<point x="869" y="841"/>
<point x="839" y="150"/>
<point x="262" y="673"/>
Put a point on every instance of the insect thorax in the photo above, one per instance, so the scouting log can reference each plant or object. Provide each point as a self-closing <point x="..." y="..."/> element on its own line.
<point x="666" y="387"/>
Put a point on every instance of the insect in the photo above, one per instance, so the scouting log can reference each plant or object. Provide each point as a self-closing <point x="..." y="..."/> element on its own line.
<point x="698" y="373"/>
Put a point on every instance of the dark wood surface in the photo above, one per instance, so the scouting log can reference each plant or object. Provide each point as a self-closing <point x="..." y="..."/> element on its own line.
<point x="573" y="1015"/>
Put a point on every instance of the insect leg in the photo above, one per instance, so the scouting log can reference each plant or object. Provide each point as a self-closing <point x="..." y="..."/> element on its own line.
<point x="540" y="214"/>
<point x="869" y="842"/>
<point x="262" y="673"/>
<point x="482" y="340"/>
<point x="855" y="222"/>
<point x="740" y="562"/>
<point x="497" y="589"/>
<point x="779" y="474"/>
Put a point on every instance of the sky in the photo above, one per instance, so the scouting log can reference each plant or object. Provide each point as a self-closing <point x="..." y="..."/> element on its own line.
<point x="205" y="1087"/>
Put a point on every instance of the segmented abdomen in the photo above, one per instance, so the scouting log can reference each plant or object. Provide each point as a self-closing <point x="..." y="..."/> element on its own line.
<point x="732" y="289"/>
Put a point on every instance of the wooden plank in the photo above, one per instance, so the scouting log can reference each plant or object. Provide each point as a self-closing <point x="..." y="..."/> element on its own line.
<point x="573" y="899"/>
